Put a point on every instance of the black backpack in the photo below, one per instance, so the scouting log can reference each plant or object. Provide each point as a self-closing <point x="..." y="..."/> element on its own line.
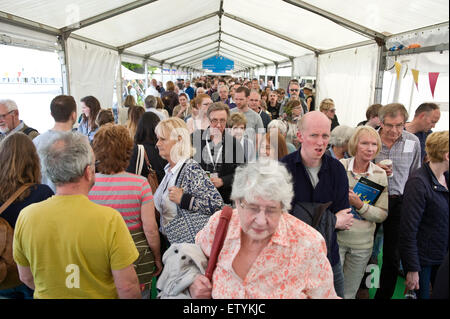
<point x="318" y="216"/>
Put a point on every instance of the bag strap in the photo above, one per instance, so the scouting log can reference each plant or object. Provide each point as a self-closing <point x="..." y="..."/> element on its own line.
<point x="14" y="196"/>
<point x="140" y="159"/>
<point x="149" y="166"/>
<point x="219" y="238"/>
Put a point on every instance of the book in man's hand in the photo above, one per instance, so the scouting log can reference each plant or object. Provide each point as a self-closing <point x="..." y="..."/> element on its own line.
<point x="368" y="191"/>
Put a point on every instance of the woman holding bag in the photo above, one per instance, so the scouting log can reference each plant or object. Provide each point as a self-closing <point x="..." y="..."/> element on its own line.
<point x="186" y="198"/>
<point x="20" y="166"/>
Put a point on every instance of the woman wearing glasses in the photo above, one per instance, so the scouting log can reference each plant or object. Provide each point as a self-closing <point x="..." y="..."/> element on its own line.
<point x="267" y="253"/>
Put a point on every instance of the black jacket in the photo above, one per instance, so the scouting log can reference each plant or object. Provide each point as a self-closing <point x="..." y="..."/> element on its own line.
<point x="265" y="118"/>
<point x="424" y="221"/>
<point x="156" y="161"/>
<point x="231" y="156"/>
<point x="319" y="217"/>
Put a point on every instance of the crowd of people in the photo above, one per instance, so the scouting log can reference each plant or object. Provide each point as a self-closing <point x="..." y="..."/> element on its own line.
<point x="94" y="209"/>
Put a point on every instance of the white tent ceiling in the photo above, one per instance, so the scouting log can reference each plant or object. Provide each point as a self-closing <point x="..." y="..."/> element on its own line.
<point x="252" y="32"/>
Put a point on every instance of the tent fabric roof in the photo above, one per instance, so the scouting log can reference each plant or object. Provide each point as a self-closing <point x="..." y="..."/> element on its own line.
<point x="253" y="33"/>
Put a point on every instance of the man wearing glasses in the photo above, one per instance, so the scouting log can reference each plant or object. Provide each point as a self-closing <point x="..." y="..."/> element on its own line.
<point x="294" y="94"/>
<point x="218" y="153"/>
<point x="10" y="122"/>
<point x="403" y="149"/>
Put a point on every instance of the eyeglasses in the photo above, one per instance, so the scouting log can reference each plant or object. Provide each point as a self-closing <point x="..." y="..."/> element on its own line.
<point x="332" y="110"/>
<point x="2" y="116"/>
<point x="221" y="121"/>
<point x="255" y="209"/>
<point x="391" y="126"/>
<point x="294" y="90"/>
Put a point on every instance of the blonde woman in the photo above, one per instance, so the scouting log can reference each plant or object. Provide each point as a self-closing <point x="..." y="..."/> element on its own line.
<point x="328" y="108"/>
<point x="355" y="244"/>
<point x="134" y="115"/>
<point x="186" y="197"/>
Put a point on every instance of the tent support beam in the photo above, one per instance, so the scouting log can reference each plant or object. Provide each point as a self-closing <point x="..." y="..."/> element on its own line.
<point x="64" y="61"/>
<point x="257" y="45"/>
<point x="337" y="19"/>
<point x="196" y="60"/>
<point x="220" y="24"/>
<point x="249" y="61"/>
<point x="350" y="46"/>
<point x="234" y="46"/>
<point x="244" y="56"/>
<point x="184" y="52"/>
<point x="179" y="45"/>
<point x="106" y="15"/>
<point x="236" y="60"/>
<point x="28" y="24"/>
<point x="192" y="58"/>
<point x="381" y="66"/>
<point x="432" y="48"/>
<point x="158" y="34"/>
<point x="281" y="36"/>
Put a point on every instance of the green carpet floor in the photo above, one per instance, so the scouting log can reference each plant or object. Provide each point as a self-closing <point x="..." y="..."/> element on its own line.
<point x="399" y="288"/>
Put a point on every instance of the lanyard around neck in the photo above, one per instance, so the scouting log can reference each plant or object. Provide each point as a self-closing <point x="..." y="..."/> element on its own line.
<point x="211" y="157"/>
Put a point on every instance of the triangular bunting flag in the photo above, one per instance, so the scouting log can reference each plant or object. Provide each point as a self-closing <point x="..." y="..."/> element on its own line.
<point x="433" y="76"/>
<point x="398" y="68"/>
<point x="415" y="74"/>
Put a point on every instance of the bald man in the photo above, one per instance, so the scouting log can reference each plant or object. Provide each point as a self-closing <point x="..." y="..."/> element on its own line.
<point x="319" y="178"/>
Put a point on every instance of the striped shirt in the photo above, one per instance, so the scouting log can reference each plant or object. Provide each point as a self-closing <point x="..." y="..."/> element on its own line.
<point x="405" y="156"/>
<point x="125" y="193"/>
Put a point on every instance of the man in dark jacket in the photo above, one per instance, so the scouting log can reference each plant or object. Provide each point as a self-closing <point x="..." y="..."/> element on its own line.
<point x="217" y="152"/>
<point x="318" y="178"/>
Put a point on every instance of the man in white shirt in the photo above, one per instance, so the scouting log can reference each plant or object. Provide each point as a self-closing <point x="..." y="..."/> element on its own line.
<point x="151" y="90"/>
<point x="150" y="106"/>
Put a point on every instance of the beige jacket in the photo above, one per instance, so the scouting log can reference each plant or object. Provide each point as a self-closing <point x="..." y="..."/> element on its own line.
<point x="360" y="235"/>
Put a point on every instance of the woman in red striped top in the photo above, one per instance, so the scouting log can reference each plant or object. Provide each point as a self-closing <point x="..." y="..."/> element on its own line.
<point x="131" y="195"/>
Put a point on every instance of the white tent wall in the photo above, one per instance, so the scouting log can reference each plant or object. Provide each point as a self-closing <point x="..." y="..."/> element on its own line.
<point x="305" y="65"/>
<point x="348" y="77"/>
<point x="92" y="71"/>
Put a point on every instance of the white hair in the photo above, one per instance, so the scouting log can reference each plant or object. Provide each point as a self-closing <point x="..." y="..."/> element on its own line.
<point x="279" y="124"/>
<point x="65" y="157"/>
<point x="340" y="135"/>
<point x="264" y="178"/>
<point x="10" y="104"/>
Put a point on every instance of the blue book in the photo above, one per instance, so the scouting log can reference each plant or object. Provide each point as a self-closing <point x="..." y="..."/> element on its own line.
<point x="368" y="192"/>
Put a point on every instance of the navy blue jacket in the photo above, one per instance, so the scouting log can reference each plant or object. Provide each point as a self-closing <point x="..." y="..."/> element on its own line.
<point x="424" y="222"/>
<point x="332" y="187"/>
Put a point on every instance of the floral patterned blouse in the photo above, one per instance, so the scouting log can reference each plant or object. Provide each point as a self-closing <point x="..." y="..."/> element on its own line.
<point x="294" y="264"/>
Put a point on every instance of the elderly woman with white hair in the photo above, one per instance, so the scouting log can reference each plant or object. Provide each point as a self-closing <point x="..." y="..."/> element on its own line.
<point x="186" y="198"/>
<point x="338" y="143"/>
<point x="267" y="253"/>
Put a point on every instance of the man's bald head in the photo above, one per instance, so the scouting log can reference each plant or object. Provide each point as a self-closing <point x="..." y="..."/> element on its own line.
<point x="312" y="117"/>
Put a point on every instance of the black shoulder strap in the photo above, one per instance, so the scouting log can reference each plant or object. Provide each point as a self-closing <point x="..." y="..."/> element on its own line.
<point x="180" y="173"/>
<point x="28" y="130"/>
